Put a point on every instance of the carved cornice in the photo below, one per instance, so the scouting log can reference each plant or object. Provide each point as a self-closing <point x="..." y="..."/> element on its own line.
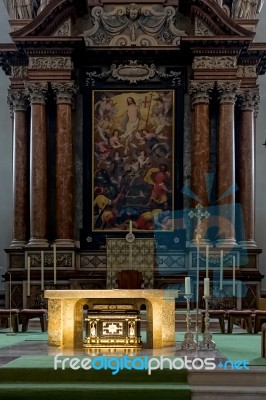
<point x="37" y="92"/>
<point x="249" y="99"/>
<point x="200" y="91"/>
<point x="212" y="14"/>
<point x="228" y="91"/>
<point x="17" y="99"/>
<point x="50" y="63"/>
<point x="216" y="62"/>
<point x="64" y="92"/>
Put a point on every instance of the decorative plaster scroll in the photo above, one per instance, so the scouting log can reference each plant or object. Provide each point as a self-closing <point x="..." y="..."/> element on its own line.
<point x="50" y="63"/>
<point x="64" y="92"/>
<point x="217" y="62"/>
<point x="228" y="91"/>
<point x="64" y="29"/>
<point x="249" y="99"/>
<point x="200" y="91"/>
<point x="246" y="9"/>
<point x="19" y="71"/>
<point x="201" y="29"/>
<point x="134" y="72"/>
<point x="37" y="91"/>
<point x="133" y="25"/>
<point x="247" y="71"/>
<point x="17" y="99"/>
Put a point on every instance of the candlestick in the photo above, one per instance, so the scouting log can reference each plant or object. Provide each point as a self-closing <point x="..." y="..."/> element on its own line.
<point x="234" y="276"/>
<point x="42" y="270"/>
<point x="187" y="285"/>
<point x="221" y="269"/>
<point x="207" y="261"/>
<point x="54" y="264"/>
<point x="28" y="277"/>
<point x="206" y="287"/>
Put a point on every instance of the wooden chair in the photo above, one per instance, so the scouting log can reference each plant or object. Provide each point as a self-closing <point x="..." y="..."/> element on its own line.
<point x="260" y="318"/>
<point x="5" y="314"/>
<point x="244" y="316"/>
<point x="30" y="313"/>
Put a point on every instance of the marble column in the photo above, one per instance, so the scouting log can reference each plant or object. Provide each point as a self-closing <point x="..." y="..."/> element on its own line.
<point x="64" y="230"/>
<point x="226" y="163"/>
<point x="38" y="164"/>
<point x="18" y="102"/>
<point x="248" y="100"/>
<point x="200" y="159"/>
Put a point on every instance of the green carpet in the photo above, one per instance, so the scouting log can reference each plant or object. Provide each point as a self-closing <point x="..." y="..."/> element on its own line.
<point x="42" y="383"/>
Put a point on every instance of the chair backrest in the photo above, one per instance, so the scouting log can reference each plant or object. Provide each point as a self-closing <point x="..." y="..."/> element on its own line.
<point x="129" y="279"/>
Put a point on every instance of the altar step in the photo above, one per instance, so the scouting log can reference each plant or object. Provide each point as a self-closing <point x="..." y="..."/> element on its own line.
<point x="232" y="385"/>
<point x="43" y="383"/>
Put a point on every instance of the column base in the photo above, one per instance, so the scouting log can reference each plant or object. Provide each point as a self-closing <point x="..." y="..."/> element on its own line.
<point x="65" y="242"/>
<point x="38" y="243"/>
<point x="203" y="243"/>
<point x="247" y="244"/>
<point x="18" y="243"/>
<point x="226" y="243"/>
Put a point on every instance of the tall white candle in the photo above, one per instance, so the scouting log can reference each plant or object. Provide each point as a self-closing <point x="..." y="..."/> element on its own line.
<point x="54" y="264"/>
<point x="187" y="285"/>
<point x="206" y="286"/>
<point x="42" y="270"/>
<point x="130" y="226"/>
<point x="207" y="261"/>
<point x="221" y="269"/>
<point x="28" y="277"/>
<point x="234" y="275"/>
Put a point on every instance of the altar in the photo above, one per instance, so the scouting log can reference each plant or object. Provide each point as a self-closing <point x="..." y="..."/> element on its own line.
<point x="66" y="309"/>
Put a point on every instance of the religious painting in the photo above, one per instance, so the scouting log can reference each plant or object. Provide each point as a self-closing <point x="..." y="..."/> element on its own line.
<point x="132" y="163"/>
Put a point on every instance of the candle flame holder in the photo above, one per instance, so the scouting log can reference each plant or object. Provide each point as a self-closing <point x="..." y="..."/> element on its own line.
<point x="189" y="343"/>
<point x="207" y="343"/>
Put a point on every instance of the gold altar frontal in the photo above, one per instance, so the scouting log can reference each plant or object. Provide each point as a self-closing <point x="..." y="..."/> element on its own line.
<point x="113" y="326"/>
<point x="65" y="313"/>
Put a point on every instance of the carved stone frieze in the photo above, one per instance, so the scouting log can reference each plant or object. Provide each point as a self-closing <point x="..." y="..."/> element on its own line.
<point x="134" y="72"/>
<point x="201" y="29"/>
<point x="19" y="71"/>
<point x="64" y="92"/>
<point x="200" y="91"/>
<point x="228" y="91"/>
<point x="133" y="25"/>
<point x="246" y="71"/>
<point x="37" y="91"/>
<point x="249" y="99"/>
<point x="50" y="63"/>
<point x="64" y="29"/>
<point x="217" y="62"/>
<point x="17" y="99"/>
